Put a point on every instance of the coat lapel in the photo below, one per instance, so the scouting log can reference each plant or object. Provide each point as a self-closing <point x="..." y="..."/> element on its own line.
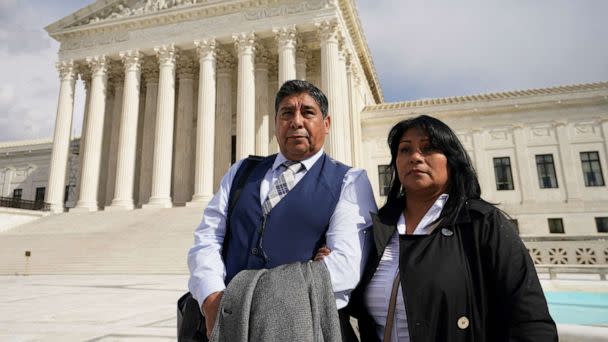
<point x="382" y="234"/>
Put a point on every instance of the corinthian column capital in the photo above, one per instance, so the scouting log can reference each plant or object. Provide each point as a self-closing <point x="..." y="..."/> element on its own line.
<point x="98" y="64"/>
<point x="166" y="54"/>
<point x="185" y="67"/>
<point x="286" y="37"/>
<point x="67" y="70"/>
<point x="225" y="60"/>
<point x="132" y="60"/>
<point x="328" y="31"/>
<point x="244" y="43"/>
<point x="262" y="55"/>
<point x="150" y="69"/>
<point x="205" y="48"/>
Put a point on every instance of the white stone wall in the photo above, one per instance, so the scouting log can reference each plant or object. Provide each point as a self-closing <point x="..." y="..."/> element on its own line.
<point x="519" y="126"/>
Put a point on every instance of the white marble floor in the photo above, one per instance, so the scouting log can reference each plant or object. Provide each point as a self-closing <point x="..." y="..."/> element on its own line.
<point x="89" y="307"/>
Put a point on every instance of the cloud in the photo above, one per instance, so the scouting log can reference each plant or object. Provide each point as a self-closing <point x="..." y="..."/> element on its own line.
<point x="437" y="48"/>
<point x="29" y="86"/>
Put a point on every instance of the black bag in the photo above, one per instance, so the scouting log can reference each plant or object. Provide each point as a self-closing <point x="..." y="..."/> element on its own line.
<point x="190" y="321"/>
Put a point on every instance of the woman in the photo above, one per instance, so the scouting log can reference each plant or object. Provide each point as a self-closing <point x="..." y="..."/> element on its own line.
<point x="452" y="261"/>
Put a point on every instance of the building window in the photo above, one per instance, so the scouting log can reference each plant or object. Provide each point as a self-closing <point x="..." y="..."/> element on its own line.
<point x="556" y="226"/>
<point x="515" y="225"/>
<point x="502" y="171"/>
<point x="40" y="192"/>
<point x="592" y="170"/>
<point x="546" y="171"/>
<point x="17" y="193"/>
<point x="384" y="179"/>
<point x="602" y="224"/>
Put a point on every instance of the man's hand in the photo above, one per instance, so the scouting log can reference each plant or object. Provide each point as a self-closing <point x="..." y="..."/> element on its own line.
<point x="209" y="308"/>
<point x="322" y="253"/>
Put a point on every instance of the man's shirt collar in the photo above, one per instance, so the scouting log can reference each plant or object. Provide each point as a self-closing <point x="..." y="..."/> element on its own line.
<point x="308" y="162"/>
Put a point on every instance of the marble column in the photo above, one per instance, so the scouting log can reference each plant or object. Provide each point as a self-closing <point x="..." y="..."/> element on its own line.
<point x="117" y="78"/>
<point x="85" y="76"/>
<point x="330" y="85"/>
<point x="355" y="113"/>
<point x="302" y="55"/>
<point x="527" y="180"/>
<point x="106" y="141"/>
<point x="127" y="141"/>
<point x="344" y="105"/>
<point x="286" y="44"/>
<point x="150" y="73"/>
<point x="273" y="88"/>
<point x="205" y="124"/>
<point x="223" y="138"/>
<point x="261" y="104"/>
<point x="61" y="136"/>
<point x="183" y="150"/>
<point x="160" y="196"/>
<point x="89" y="180"/>
<point x="245" y="99"/>
<point x="570" y="164"/>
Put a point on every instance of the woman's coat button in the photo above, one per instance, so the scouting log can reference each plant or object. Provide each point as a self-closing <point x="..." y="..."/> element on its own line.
<point x="463" y="322"/>
<point x="446" y="232"/>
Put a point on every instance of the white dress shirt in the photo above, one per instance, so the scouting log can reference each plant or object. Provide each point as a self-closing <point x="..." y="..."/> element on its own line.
<point x="378" y="293"/>
<point x="344" y="237"/>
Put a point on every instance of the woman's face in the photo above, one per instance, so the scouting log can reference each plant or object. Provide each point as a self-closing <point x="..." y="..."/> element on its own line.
<point x="421" y="169"/>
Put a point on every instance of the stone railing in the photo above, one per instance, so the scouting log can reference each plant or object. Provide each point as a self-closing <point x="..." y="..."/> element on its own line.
<point x="10" y="202"/>
<point x="569" y="254"/>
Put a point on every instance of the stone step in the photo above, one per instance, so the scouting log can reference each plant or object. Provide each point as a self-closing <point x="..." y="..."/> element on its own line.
<point x="145" y="241"/>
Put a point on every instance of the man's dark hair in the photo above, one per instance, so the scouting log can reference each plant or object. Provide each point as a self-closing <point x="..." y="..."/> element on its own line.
<point x="293" y="87"/>
<point x="462" y="179"/>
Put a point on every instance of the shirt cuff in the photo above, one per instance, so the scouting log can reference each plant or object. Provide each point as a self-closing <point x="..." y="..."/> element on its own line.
<point x="210" y="286"/>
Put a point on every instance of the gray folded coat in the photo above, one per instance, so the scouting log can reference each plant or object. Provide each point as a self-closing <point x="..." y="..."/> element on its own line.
<point x="292" y="302"/>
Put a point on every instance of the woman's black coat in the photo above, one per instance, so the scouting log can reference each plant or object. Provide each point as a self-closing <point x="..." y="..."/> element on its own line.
<point x="471" y="281"/>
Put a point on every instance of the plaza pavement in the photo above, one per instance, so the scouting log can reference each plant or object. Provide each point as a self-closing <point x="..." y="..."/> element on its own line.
<point x="116" y="276"/>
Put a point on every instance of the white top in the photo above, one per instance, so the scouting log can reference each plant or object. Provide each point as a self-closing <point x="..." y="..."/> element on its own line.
<point x="378" y="293"/>
<point x="344" y="236"/>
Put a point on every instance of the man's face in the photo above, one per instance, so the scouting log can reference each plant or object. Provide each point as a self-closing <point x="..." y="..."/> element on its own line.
<point x="300" y="126"/>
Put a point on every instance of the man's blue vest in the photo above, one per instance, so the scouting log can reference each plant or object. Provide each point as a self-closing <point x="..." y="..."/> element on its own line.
<point x="293" y="230"/>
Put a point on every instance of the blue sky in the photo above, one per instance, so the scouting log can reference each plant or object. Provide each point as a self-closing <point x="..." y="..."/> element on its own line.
<point x="421" y="49"/>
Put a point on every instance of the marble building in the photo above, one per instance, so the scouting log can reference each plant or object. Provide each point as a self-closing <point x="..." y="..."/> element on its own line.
<point x="170" y="83"/>
<point x="177" y="90"/>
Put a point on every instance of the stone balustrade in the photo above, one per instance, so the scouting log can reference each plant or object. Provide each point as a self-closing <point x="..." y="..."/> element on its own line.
<point x="569" y="254"/>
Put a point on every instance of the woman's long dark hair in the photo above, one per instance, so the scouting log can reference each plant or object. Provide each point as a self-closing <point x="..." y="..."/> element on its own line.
<point x="462" y="179"/>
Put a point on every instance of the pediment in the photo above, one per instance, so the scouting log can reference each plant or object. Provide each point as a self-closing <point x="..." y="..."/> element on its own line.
<point x="103" y="11"/>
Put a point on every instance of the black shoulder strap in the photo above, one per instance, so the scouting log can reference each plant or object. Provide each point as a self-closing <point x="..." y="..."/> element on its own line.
<point x="235" y="191"/>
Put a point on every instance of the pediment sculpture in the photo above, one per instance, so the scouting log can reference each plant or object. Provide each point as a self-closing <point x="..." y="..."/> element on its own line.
<point x="125" y="8"/>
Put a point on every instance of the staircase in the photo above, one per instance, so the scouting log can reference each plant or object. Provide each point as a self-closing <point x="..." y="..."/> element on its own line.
<point x="143" y="241"/>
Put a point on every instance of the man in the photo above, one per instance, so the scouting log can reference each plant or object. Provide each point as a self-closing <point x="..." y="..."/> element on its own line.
<point x="326" y="203"/>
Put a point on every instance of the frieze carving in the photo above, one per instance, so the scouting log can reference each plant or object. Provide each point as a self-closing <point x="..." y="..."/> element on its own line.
<point x="540" y="132"/>
<point x="125" y="9"/>
<point x="586" y="129"/>
<point x="284" y="10"/>
<point x="498" y="135"/>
